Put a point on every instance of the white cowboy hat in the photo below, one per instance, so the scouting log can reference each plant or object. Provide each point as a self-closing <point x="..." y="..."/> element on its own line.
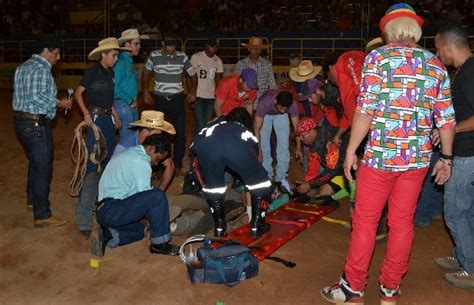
<point x="106" y="44"/>
<point x="154" y="119"/>
<point x="304" y="71"/>
<point x="131" y="34"/>
<point x="255" y="43"/>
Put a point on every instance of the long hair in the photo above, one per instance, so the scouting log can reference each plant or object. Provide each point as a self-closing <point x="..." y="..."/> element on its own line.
<point x="402" y="28"/>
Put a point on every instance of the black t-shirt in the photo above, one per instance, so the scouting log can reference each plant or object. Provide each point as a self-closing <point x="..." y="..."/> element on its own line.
<point x="463" y="101"/>
<point x="99" y="84"/>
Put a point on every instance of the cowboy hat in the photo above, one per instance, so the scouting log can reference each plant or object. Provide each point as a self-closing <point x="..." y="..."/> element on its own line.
<point x="255" y="43"/>
<point x="154" y="119"/>
<point x="106" y="44"/>
<point x="304" y="71"/>
<point x="373" y="44"/>
<point x="131" y="34"/>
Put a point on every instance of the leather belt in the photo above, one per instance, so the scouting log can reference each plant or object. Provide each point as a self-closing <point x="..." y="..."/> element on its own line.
<point x="39" y="119"/>
<point x="99" y="110"/>
<point x="101" y="203"/>
<point x="169" y="96"/>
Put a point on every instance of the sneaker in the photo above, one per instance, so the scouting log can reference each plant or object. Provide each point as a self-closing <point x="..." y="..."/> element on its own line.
<point x="448" y="262"/>
<point x="389" y="296"/>
<point x="461" y="279"/>
<point x="49" y="222"/>
<point x="341" y="293"/>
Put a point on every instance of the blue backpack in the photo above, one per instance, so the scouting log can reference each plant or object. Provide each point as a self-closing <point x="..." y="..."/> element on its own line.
<point x="228" y="263"/>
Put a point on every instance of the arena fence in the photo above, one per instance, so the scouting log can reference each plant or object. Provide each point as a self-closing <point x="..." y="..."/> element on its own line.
<point x="281" y="52"/>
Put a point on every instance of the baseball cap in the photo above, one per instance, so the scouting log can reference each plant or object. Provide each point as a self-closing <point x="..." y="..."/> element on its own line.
<point x="249" y="76"/>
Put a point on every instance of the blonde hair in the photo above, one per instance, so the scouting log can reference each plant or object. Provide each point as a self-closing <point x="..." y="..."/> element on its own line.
<point x="402" y="28"/>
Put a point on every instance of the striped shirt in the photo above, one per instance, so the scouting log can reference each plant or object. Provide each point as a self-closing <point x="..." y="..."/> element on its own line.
<point x="168" y="70"/>
<point x="34" y="89"/>
<point x="265" y="77"/>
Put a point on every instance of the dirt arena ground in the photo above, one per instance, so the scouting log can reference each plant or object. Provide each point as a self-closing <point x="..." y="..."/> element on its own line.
<point x="51" y="266"/>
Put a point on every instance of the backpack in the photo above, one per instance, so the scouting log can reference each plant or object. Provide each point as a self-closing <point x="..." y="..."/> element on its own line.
<point x="227" y="263"/>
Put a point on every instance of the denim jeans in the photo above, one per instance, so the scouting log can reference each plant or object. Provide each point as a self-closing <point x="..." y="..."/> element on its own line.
<point x="203" y="111"/>
<point x="431" y="197"/>
<point x="127" y="115"/>
<point x="459" y="210"/>
<point x="104" y="122"/>
<point x="174" y="113"/>
<point x="38" y="144"/>
<point x="281" y="124"/>
<point x="86" y="206"/>
<point x="123" y="217"/>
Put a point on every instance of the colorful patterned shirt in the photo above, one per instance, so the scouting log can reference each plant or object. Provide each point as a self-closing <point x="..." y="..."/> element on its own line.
<point x="34" y="87"/>
<point x="404" y="88"/>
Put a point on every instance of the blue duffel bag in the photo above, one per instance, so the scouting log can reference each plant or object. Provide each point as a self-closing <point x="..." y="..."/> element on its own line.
<point x="228" y="263"/>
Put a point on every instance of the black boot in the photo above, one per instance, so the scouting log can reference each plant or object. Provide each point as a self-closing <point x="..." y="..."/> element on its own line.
<point x="217" y="210"/>
<point x="164" y="248"/>
<point x="259" y="210"/>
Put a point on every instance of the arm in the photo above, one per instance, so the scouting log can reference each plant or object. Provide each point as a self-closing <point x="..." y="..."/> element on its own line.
<point x="146" y="77"/>
<point x="80" y="101"/>
<point x="360" y="128"/>
<point x="271" y="78"/>
<point x="217" y="106"/>
<point x="219" y="77"/>
<point x="168" y="174"/>
<point x="298" y="151"/>
<point x="116" y="117"/>
<point x="257" y="126"/>
<point x="192" y="86"/>
<point x="465" y="125"/>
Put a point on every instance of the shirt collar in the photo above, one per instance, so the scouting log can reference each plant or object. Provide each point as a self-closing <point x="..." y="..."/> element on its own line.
<point x="41" y="59"/>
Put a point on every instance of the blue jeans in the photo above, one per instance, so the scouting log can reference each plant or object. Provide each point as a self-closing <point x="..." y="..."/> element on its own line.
<point x="86" y="206"/>
<point x="431" y="197"/>
<point x="104" y="122"/>
<point x="123" y="217"/>
<point x="459" y="210"/>
<point x="38" y="144"/>
<point x="127" y="115"/>
<point x="203" y="111"/>
<point x="173" y="109"/>
<point x="281" y="124"/>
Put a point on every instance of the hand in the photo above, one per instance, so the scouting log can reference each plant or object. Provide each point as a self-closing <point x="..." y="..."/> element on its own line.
<point x="147" y="98"/>
<point x="336" y="140"/>
<point x="321" y="93"/>
<point x="299" y="155"/>
<point x="88" y="119"/>
<point x="191" y="98"/>
<point x="442" y="171"/>
<point x="65" y="103"/>
<point x="435" y="139"/>
<point x="117" y="122"/>
<point x="350" y="162"/>
<point x="303" y="188"/>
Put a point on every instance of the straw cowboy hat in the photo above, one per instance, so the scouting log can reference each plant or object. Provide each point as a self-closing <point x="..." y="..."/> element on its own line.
<point x="255" y="43"/>
<point x="154" y="119"/>
<point x="304" y="71"/>
<point x="106" y="44"/>
<point x="131" y="34"/>
<point x="373" y="44"/>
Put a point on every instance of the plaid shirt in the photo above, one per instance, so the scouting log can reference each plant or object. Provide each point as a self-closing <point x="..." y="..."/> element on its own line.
<point x="265" y="77"/>
<point x="34" y="87"/>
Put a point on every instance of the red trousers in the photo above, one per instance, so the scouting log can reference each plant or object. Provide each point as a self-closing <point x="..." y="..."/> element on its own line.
<point x="374" y="188"/>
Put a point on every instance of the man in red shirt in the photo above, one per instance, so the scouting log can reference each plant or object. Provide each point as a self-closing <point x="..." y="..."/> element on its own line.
<point x="236" y="91"/>
<point x="346" y="74"/>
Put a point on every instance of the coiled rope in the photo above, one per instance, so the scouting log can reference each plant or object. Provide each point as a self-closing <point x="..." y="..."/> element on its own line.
<point x="80" y="155"/>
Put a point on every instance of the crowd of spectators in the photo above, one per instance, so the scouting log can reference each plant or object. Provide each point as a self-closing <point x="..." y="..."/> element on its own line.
<point x="25" y="18"/>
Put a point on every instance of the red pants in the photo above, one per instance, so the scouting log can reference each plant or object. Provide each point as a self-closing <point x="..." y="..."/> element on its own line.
<point x="374" y="188"/>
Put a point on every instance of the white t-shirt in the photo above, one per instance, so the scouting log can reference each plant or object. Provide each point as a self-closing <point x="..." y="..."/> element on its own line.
<point x="206" y="69"/>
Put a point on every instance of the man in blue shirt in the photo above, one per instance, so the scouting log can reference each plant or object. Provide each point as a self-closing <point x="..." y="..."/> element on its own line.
<point x="126" y="83"/>
<point x="126" y="197"/>
<point x="35" y="103"/>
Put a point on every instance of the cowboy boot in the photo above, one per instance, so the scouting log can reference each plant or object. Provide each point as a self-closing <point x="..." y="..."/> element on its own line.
<point x="217" y="210"/>
<point x="259" y="209"/>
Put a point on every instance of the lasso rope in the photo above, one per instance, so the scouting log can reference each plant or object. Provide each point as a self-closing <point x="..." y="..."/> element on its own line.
<point x="80" y="155"/>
